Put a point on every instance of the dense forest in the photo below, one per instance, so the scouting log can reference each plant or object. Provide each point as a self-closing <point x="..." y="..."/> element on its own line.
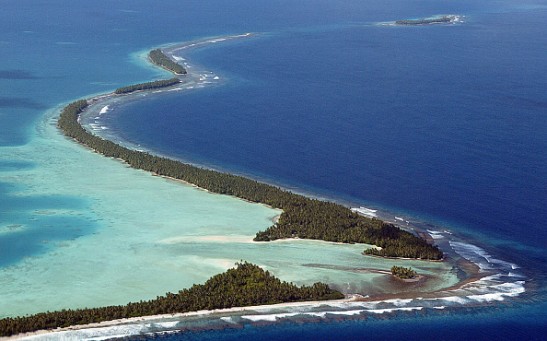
<point x="160" y="59"/>
<point x="402" y="272"/>
<point x="147" y="86"/>
<point x="302" y="217"/>
<point x="244" y="285"/>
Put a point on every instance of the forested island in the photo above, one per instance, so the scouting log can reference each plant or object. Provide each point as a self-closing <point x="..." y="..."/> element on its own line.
<point x="245" y="285"/>
<point x="403" y="273"/>
<point x="159" y="58"/>
<point x="445" y="19"/>
<point x="302" y="217"/>
<point x="147" y="86"/>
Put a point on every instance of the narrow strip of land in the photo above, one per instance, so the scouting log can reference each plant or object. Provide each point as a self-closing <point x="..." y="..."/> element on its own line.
<point x="247" y="284"/>
<point x="444" y="19"/>
<point x="302" y="217"/>
<point x="244" y="285"/>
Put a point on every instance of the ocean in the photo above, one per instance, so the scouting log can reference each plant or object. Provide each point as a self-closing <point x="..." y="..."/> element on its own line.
<point x="443" y="125"/>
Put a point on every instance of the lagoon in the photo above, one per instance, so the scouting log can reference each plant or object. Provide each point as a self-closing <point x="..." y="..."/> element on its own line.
<point x="60" y="202"/>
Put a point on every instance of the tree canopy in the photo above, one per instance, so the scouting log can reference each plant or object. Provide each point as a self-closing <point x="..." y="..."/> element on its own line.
<point x="402" y="272"/>
<point x="302" y="217"/>
<point x="246" y="284"/>
<point x="147" y="86"/>
<point x="159" y="58"/>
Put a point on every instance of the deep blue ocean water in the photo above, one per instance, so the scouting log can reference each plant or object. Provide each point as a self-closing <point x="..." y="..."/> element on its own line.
<point x="414" y="119"/>
<point x="446" y="124"/>
<point x="473" y="326"/>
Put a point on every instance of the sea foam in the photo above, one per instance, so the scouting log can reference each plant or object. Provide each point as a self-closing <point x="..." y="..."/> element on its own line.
<point x="104" y="110"/>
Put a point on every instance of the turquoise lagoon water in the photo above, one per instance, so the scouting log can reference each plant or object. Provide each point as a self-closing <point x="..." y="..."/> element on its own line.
<point x="102" y="233"/>
<point x="77" y="229"/>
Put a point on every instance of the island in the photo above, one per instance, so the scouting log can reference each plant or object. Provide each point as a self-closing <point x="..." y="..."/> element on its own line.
<point x="161" y="59"/>
<point x="302" y="217"/>
<point x="245" y="285"/>
<point x="403" y="273"/>
<point x="444" y="19"/>
<point x="162" y="83"/>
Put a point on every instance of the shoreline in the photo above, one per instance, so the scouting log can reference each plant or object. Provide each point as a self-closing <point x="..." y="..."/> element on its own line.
<point x="297" y="308"/>
<point x="274" y="196"/>
<point x="351" y="306"/>
<point x="168" y="316"/>
<point x="473" y="269"/>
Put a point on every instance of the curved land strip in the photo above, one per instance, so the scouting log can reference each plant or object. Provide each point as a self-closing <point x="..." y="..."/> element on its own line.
<point x="247" y="284"/>
<point x="302" y="217"/>
<point x="244" y="285"/>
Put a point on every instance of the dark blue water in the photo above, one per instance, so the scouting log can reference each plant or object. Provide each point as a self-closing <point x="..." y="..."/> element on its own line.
<point x="446" y="124"/>
<point x="468" y="326"/>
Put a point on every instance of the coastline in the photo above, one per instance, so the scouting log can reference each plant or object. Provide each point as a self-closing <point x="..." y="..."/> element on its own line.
<point x="473" y="277"/>
<point x="299" y="213"/>
<point x="349" y="307"/>
<point x="149" y="318"/>
<point x="353" y="306"/>
<point x="472" y="271"/>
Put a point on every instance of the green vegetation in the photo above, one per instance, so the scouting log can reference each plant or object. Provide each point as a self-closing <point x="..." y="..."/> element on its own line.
<point x="302" y="217"/>
<point x="403" y="273"/>
<point x="439" y="20"/>
<point x="314" y="219"/>
<point x="147" y="86"/>
<point x="160" y="59"/>
<point x="396" y="243"/>
<point x="244" y="285"/>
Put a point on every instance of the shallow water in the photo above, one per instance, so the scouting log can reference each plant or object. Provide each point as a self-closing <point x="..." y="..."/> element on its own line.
<point x="67" y="226"/>
<point x="104" y="248"/>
